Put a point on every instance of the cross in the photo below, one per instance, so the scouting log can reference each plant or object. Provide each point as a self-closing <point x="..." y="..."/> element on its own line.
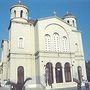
<point x="54" y="13"/>
<point x="67" y="12"/>
<point x="19" y="1"/>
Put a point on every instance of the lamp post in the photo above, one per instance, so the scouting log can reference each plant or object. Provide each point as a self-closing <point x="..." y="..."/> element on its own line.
<point x="18" y="86"/>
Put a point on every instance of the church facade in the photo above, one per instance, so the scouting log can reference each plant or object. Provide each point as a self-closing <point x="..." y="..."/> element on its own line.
<point x="49" y="50"/>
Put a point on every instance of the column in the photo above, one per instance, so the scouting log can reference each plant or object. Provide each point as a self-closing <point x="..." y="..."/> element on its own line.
<point x="54" y="76"/>
<point x="72" y="72"/>
<point x="63" y="73"/>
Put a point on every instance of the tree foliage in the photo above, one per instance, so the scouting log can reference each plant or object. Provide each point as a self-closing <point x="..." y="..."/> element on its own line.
<point x="88" y="70"/>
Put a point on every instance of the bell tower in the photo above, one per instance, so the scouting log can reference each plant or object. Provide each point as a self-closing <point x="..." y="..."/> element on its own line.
<point x="70" y="19"/>
<point x="19" y="11"/>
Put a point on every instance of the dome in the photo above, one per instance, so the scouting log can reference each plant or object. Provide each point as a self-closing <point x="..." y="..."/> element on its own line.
<point x="69" y="15"/>
<point x="19" y="11"/>
<point x="19" y="4"/>
<point x="70" y="19"/>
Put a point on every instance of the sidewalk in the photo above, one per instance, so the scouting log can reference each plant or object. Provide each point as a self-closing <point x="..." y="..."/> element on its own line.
<point x="3" y="88"/>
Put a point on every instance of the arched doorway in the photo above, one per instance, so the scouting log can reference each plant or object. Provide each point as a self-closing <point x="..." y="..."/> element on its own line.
<point x="20" y="74"/>
<point x="58" y="72"/>
<point x="67" y="72"/>
<point x="49" y="73"/>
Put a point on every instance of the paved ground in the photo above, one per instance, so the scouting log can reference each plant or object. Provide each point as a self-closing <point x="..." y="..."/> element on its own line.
<point x="3" y="88"/>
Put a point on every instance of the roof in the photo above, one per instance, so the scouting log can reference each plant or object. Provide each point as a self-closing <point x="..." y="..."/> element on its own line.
<point x="19" y="4"/>
<point x="69" y="15"/>
<point x="61" y="19"/>
<point x="50" y="18"/>
<point x="31" y="21"/>
<point x="45" y="18"/>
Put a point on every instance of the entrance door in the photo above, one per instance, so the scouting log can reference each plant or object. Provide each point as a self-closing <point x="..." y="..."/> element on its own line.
<point x="20" y="74"/>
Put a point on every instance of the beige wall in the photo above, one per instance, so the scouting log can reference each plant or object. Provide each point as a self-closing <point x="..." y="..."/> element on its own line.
<point x="33" y="56"/>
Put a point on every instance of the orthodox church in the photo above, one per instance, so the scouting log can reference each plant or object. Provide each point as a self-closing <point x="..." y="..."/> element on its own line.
<point x="49" y="50"/>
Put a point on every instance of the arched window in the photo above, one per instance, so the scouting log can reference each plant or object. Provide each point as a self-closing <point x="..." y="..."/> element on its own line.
<point x="49" y="73"/>
<point x="76" y="47"/>
<point x="21" y="43"/>
<point x="73" y="23"/>
<point x="67" y="72"/>
<point x="58" y="71"/>
<point x="20" y="74"/>
<point x="47" y="42"/>
<point x="56" y="42"/>
<point x="21" y="13"/>
<point x="68" y="21"/>
<point x="14" y="13"/>
<point x="64" y="41"/>
<point x="79" y="73"/>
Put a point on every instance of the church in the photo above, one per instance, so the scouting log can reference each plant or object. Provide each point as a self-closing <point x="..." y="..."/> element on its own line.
<point x="48" y="50"/>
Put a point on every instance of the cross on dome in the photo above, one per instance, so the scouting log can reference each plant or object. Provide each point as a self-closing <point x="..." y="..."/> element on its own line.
<point x="19" y="1"/>
<point x="55" y="13"/>
<point x="67" y="12"/>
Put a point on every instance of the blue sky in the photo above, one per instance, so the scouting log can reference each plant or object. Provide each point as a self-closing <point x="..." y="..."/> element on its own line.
<point x="44" y="8"/>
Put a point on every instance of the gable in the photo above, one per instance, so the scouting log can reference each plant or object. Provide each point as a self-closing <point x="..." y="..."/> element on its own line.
<point x="44" y="23"/>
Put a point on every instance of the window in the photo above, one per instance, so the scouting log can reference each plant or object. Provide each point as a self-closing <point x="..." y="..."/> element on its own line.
<point x="79" y="73"/>
<point x="56" y="42"/>
<point x="73" y="23"/>
<point x="20" y="74"/>
<point x="14" y="13"/>
<point x="67" y="72"/>
<point x="76" y="47"/>
<point x="64" y="43"/>
<point x="58" y="71"/>
<point x="49" y="73"/>
<point x="47" y="42"/>
<point x="21" y="43"/>
<point x="21" y="13"/>
<point x="67" y="21"/>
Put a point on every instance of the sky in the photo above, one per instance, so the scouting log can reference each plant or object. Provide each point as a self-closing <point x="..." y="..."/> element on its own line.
<point x="45" y="8"/>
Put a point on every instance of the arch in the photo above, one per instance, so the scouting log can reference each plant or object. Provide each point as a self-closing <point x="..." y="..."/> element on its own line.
<point x="79" y="73"/>
<point x="62" y="32"/>
<point x="67" y="72"/>
<point x="20" y="74"/>
<point x="56" y="41"/>
<point x="49" y="73"/>
<point x="56" y="33"/>
<point x="47" y="42"/>
<point x="58" y="72"/>
<point x="51" y="24"/>
<point x="57" y="25"/>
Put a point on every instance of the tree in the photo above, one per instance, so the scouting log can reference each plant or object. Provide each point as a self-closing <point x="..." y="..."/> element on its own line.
<point x="88" y="70"/>
<point x="18" y="86"/>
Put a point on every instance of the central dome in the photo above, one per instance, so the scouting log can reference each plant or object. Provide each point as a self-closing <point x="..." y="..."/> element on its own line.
<point x="69" y="15"/>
